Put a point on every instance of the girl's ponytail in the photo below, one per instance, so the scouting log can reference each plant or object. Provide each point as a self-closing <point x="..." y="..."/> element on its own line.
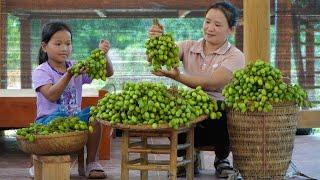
<point x="42" y="56"/>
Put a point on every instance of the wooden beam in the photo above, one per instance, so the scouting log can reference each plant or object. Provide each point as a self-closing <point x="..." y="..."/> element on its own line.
<point x="256" y="14"/>
<point x="3" y="45"/>
<point x="107" y="4"/>
<point x="93" y="15"/>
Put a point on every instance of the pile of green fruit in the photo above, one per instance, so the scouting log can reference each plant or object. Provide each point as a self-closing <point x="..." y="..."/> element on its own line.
<point x="147" y="103"/>
<point x="57" y="126"/>
<point x="258" y="86"/>
<point x="162" y="51"/>
<point x="95" y="65"/>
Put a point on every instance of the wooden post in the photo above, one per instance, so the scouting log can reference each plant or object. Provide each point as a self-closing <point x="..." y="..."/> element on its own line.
<point x="189" y="155"/>
<point x="3" y="44"/>
<point x="239" y="36"/>
<point x="81" y="162"/>
<point x="25" y="49"/>
<point x="173" y="155"/>
<point x="144" y="156"/>
<point x="310" y="51"/>
<point x="256" y="26"/>
<point x="105" y="145"/>
<point x="124" y="155"/>
<point x="283" y="40"/>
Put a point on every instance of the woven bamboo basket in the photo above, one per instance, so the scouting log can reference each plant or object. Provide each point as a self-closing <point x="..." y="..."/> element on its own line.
<point x="54" y="144"/>
<point x="262" y="143"/>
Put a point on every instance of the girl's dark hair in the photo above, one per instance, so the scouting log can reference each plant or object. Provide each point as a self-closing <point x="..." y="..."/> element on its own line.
<point x="48" y="31"/>
<point x="229" y="11"/>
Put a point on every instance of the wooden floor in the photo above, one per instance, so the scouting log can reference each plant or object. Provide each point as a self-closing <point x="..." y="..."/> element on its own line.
<point x="14" y="163"/>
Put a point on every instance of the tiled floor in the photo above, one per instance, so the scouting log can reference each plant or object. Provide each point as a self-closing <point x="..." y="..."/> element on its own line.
<point x="14" y="163"/>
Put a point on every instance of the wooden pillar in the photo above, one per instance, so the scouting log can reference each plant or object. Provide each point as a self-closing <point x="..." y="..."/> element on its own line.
<point x="283" y="40"/>
<point x="105" y="144"/>
<point x="310" y="59"/>
<point x="296" y="43"/>
<point x="239" y="28"/>
<point x="25" y="49"/>
<point x="3" y="44"/>
<point x="256" y="14"/>
<point x="239" y="36"/>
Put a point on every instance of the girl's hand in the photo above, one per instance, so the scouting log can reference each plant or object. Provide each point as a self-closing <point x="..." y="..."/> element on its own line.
<point x="155" y="30"/>
<point x="83" y="70"/>
<point x="173" y="74"/>
<point x="104" y="45"/>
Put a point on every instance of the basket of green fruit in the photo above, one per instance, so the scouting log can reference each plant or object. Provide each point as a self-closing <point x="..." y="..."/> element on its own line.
<point x="262" y="120"/>
<point x="148" y="105"/>
<point x="61" y="136"/>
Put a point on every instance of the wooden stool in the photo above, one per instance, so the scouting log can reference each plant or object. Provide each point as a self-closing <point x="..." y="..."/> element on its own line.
<point x="142" y="147"/>
<point x="51" y="167"/>
<point x="43" y="164"/>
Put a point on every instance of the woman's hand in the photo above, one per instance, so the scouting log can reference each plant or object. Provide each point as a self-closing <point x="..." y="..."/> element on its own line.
<point x="155" y="30"/>
<point x="173" y="74"/>
<point x="104" y="45"/>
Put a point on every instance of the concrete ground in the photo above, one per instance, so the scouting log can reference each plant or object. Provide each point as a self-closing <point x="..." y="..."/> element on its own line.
<point x="14" y="163"/>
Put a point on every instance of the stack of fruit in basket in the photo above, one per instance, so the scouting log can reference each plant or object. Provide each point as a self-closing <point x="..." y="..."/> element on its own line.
<point x="162" y="50"/>
<point x="149" y="103"/>
<point x="260" y="85"/>
<point x="95" y="64"/>
<point x="59" y="125"/>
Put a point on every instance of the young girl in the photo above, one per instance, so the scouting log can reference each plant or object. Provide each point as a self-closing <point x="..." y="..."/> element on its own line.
<point x="59" y="93"/>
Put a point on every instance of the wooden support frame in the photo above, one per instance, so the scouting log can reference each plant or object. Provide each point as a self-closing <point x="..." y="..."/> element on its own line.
<point x="110" y="4"/>
<point x="3" y="44"/>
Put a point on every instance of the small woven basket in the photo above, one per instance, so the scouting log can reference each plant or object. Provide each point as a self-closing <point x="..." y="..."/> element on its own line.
<point x="54" y="144"/>
<point x="262" y="143"/>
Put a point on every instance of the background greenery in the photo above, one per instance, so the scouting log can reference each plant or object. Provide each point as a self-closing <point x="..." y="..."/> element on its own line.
<point x="127" y="37"/>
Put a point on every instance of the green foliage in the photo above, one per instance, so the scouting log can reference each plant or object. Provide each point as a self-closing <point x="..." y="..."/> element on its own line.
<point x="13" y="46"/>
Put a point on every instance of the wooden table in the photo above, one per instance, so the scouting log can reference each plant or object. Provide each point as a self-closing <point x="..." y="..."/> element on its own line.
<point x="142" y="147"/>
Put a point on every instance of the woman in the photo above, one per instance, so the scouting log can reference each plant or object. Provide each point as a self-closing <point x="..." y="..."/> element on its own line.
<point x="210" y="63"/>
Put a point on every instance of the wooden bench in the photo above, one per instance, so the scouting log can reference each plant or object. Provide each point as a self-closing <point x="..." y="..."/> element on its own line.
<point x="18" y="109"/>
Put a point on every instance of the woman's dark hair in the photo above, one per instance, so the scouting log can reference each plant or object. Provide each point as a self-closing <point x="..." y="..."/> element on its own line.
<point x="229" y="11"/>
<point x="48" y="31"/>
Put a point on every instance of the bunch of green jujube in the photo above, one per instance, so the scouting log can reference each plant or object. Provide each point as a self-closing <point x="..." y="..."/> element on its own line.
<point x="162" y="51"/>
<point x="95" y="64"/>
<point x="258" y="86"/>
<point x="148" y="103"/>
<point x="57" y="126"/>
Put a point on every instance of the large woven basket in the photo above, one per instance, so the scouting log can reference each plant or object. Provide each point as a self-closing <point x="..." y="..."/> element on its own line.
<point x="149" y="127"/>
<point x="54" y="144"/>
<point x="262" y="143"/>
